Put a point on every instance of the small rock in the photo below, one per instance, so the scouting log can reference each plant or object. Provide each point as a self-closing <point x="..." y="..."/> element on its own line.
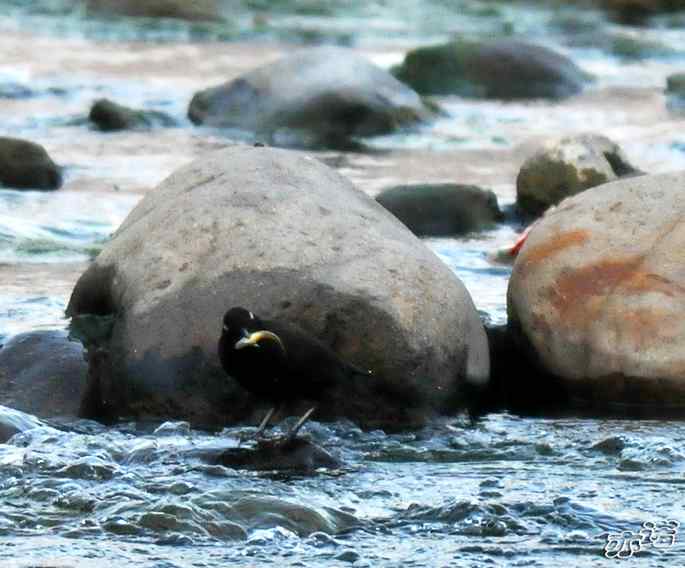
<point x="25" y="165"/>
<point x="637" y="48"/>
<point x="43" y="373"/>
<point x="321" y="95"/>
<point x="675" y="91"/>
<point x="567" y="166"/>
<point x="348" y="556"/>
<point x="108" y="116"/>
<point x="637" y="12"/>
<point x="195" y="11"/>
<point x="442" y="209"/>
<point x="675" y="85"/>
<point x="278" y="455"/>
<point x="611" y="446"/>
<point x="502" y="69"/>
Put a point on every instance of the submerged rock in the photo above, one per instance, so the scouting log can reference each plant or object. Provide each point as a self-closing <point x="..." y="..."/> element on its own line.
<point x="108" y="115"/>
<point x="321" y="95"/>
<point x="298" y="454"/>
<point x="442" y="209"/>
<point x="289" y="238"/>
<point x="25" y="165"/>
<point x="566" y="166"/>
<point x="501" y="69"/>
<point x="42" y="373"/>
<point x="596" y="294"/>
<point x="197" y="10"/>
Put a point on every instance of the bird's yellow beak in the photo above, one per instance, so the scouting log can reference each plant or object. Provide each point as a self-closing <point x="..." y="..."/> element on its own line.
<point x="254" y="338"/>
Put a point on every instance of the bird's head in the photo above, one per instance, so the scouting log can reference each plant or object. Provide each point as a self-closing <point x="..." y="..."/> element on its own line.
<point x="243" y="329"/>
<point x="238" y="319"/>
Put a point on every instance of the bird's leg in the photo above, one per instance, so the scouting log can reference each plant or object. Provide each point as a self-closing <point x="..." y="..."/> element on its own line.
<point x="260" y="429"/>
<point x="301" y="422"/>
<point x="264" y="423"/>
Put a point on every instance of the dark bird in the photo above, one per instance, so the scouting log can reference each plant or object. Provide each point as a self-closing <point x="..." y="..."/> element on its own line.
<point x="280" y="363"/>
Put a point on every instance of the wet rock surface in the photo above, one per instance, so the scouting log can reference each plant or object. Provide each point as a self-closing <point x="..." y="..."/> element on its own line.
<point x="25" y="165"/>
<point x="298" y="454"/>
<point x="442" y="209"/>
<point x="502" y="69"/>
<point x="567" y="166"/>
<point x="322" y="95"/>
<point x="42" y="373"/>
<point x="286" y="237"/>
<point x="108" y="116"/>
<point x="596" y="292"/>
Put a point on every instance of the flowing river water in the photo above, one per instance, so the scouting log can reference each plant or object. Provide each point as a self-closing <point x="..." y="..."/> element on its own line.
<point x="511" y="491"/>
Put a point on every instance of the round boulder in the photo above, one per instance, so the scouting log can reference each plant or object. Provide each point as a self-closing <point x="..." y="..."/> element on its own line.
<point x="318" y="95"/>
<point x="25" y="165"/>
<point x="566" y="166"/>
<point x="43" y="373"/>
<point x="196" y="11"/>
<point x="288" y="238"/>
<point x="596" y="293"/>
<point x="108" y="116"/>
<point x="442" y="209"/>
<point x="500" y="69"/>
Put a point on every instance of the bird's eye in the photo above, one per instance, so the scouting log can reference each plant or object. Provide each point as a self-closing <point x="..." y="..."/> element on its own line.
<point x="226" y="328"/>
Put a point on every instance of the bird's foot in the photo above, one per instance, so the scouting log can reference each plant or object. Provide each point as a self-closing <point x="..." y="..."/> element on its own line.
<point x="253" y="436"/>
<point x="290" y="436"/>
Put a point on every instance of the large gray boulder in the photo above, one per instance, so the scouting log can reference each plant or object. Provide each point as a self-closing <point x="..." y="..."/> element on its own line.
<point x="562" y="167"/>
<point x="287" y="237"/>
<point x="596" y="294"/>
<point x="501" y="69"/>
<point x="318" y="95"/>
